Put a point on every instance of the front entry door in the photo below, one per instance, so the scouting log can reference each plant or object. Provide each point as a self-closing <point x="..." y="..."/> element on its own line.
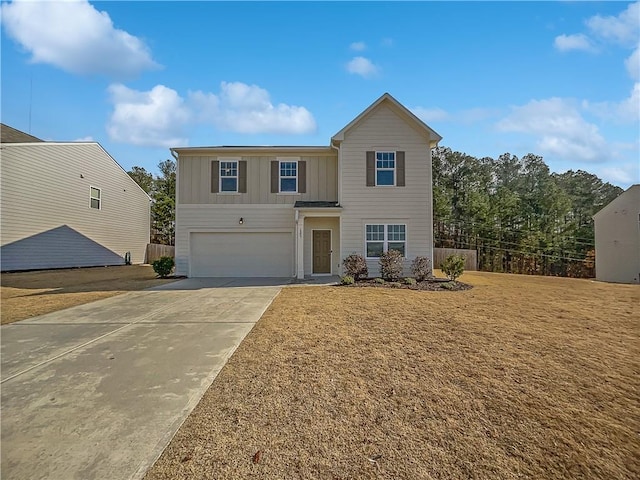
<point x="322" y="251"/>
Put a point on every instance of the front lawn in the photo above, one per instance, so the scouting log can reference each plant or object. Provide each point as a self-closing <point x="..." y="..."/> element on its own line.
<point x="519" y="377"/>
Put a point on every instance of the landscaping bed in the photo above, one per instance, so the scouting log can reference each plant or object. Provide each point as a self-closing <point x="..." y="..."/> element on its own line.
<point x="434" y="284"/>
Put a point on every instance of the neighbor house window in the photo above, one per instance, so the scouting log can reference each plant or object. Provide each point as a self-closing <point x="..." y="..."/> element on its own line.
<point x="382" y="238"/>
<point x="229" y="176"/>
<point x="385" y="168"/>
<point x="95" y="198"/>
<point x="289" y="177"/>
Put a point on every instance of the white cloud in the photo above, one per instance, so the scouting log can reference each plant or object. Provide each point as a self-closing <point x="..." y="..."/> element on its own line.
<point x="152" y="118"/>
<point x="578" y="41"/>
<point x="88" y="138"/>
<point x="431" y="114"/>
<point x="633" y="64"/>
<point x="74" y="36"/>
<point x="246" y="108"/>
<point x="624" y="174"/>
<point x="625" y="111"/>
<point x="358" y="46"/>
<point x="559" y="128"/>
<point x="362" y="66"/>
<point x="623" y="28"/>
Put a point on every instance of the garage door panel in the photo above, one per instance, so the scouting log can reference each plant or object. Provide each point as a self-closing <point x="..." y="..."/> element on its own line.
<point x="260" y="254"/>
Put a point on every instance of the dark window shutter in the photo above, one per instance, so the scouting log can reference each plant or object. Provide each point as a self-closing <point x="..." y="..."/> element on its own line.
<point x="242" y="176"/>
<point x="400" y="169"/>
<point x="215" y="174"/>
<point x="302" y="177"/>
<point x="275" y="175"/>
<point x="371" y="169"/>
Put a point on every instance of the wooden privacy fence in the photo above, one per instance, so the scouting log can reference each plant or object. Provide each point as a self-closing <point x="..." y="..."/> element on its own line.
<point x="470" y="257"/>
<point x="155" y="251"/>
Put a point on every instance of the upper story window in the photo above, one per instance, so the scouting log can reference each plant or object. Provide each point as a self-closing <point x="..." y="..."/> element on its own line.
<point x="229" y="177"/>
<point x="385" y="168"/>
<point x="95" y="198"/>
<point x="382" y="238"/>
<point x="289" y="177"/>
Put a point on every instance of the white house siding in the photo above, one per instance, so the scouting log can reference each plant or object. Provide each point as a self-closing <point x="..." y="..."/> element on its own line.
<point x="46" y="219"/>
<point x="322" y="223"/>
<point x="199" y="218"/>
<point x="195" y="179"/>
<point x="617" y="230"/>
<point x="384" y="129"/>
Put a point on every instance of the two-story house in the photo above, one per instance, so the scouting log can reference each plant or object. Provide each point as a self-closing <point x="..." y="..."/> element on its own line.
<point x="300" y="210"/>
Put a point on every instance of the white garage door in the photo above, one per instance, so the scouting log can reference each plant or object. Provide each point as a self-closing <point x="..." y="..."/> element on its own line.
<point x="263" y="254"/>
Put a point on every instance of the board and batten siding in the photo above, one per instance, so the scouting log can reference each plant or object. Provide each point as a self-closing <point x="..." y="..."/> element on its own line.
<point x="226" y="218"/>
<point x="47" y="221"/>
<point x="194" y="180"/>
<point x="384" y="130"/>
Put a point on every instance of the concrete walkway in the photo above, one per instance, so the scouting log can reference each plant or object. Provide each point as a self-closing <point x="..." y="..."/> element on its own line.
<point x="97" y="391"/>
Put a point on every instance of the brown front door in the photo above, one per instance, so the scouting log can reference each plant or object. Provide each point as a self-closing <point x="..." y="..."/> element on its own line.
<point x="322" y="251"/>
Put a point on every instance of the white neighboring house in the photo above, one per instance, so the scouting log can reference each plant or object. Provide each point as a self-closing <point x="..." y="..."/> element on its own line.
<point x="617" y="228"/>
<point x="67" y="205"/>
<point x="300" y="210"/>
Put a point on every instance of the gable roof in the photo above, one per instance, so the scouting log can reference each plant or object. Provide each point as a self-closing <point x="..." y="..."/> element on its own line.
<point x="13" y="135"/>
<point x="433" y="136"/>
<point x="629" y="192"/>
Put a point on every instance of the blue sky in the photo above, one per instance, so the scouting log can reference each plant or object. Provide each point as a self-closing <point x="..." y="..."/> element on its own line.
<point x="559" y="79"/>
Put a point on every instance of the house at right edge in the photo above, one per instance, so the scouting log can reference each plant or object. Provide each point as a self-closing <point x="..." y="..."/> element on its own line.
<point x="617" y="228"/>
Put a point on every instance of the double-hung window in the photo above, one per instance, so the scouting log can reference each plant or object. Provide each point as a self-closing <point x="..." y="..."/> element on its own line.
<point x="229" y="177"/>
<point x="385" y="168"/>
<point x="289" y="177"/>
<point x="382" y="238"/>
<point x="95" y="198"/>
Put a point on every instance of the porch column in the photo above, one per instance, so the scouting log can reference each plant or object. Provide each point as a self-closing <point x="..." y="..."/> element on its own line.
<point x="300" y="247"/>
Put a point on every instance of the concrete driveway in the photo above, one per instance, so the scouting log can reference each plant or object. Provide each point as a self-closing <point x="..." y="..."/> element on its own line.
<point x="97" y="391"/>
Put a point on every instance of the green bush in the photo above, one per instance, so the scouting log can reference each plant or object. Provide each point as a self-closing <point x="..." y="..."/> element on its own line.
<point x="421" y="268"/>
<point x="379" y="280"/>
<point x="355" y="266"/>
<point x="163" y="266"/>
<point x="448" y="285"/>
<point x="409" y="281"/>
<point x="395" y="284"/>
<point x="347" y="280"/>
<point x="453" y="266"/>
<point x="391" y="265"/>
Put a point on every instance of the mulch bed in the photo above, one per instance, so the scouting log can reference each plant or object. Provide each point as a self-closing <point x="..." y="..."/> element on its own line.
<point x="434" y="284"/>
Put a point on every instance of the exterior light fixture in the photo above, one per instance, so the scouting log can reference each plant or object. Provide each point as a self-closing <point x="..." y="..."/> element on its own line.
<point x="241" y="221"/>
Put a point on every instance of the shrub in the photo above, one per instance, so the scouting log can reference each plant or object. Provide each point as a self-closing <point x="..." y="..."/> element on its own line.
<point x="453" y="266"/>
<point x="448" y="285"/>
<point x="379" y="280"/>
<point x="395" y="284"/>
<point x="355" y="266"/>
<point x="409" y="281"/>
<point x="421" y="268"/>
<point x="163" y="266"/>
<point x="347" y="280"/>
<point x="391" y="265"/>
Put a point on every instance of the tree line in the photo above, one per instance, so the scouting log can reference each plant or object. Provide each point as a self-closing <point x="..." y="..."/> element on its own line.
<point x="517" y="215"/>
<point x="162" y="190"/>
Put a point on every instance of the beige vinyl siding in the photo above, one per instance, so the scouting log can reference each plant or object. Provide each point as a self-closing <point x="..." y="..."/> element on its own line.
<point x="46" y="186"/>
<point x="617" y="236"/>
<point x="384" y="130"/>
<point x="322" y="223"/>
<point x="225" y="218"/>
<point x="195" y="180"/>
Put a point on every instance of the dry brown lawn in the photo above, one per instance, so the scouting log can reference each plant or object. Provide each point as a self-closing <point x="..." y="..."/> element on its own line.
<point x="520" y="377"/>
<point x="28" y="294"/>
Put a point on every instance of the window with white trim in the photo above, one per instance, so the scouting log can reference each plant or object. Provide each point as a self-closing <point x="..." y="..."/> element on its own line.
<point x="228" y="177"/>
<point x="95" y="198"/>
<point x="386" y="168"/>
<point x="382" y="238"/>
<point x="289" y="177"/>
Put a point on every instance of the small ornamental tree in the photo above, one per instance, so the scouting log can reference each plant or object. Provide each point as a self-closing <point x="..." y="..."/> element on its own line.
<point x="355" y="266"/>
<point x="163" y="266"/>
<point x="421" y="268"/>
<point x="453" y="266"/>
<point x="391" y="265"/>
